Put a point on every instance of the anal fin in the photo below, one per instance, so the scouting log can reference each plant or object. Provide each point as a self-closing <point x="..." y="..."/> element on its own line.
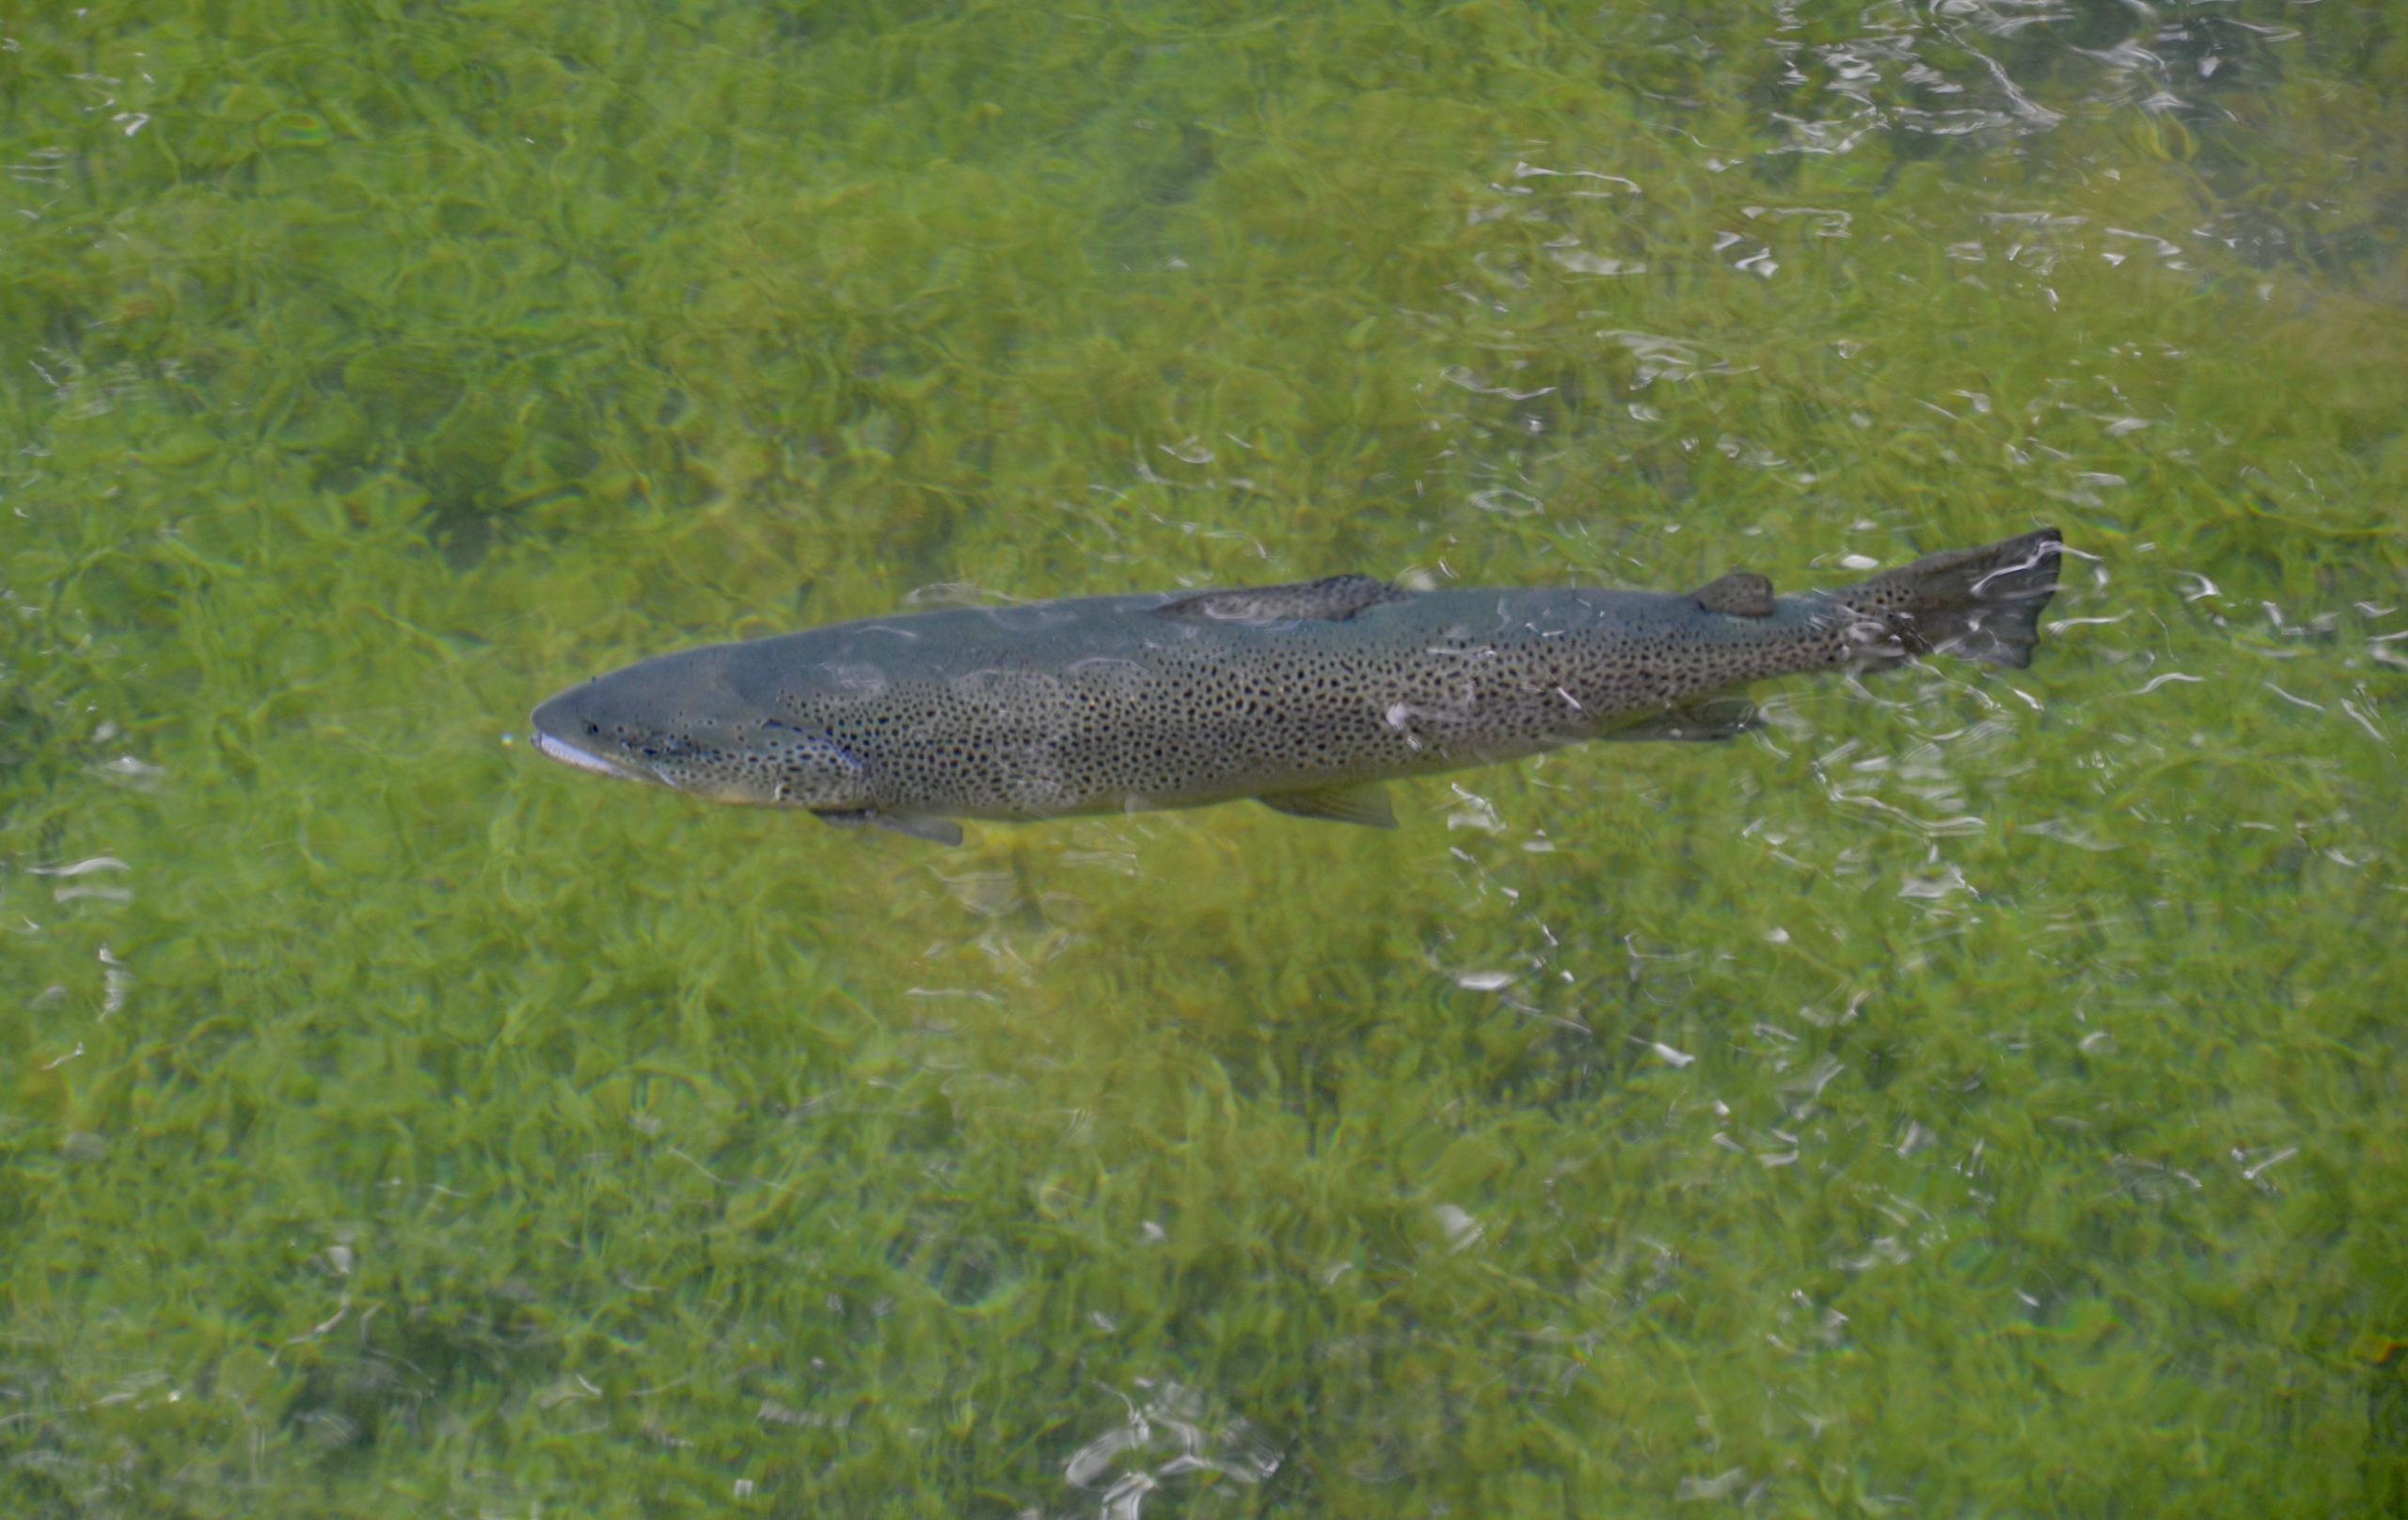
<point x="935" y="831"/>
<point x="1716" y="717"/>
<point x="1365" y="802"/>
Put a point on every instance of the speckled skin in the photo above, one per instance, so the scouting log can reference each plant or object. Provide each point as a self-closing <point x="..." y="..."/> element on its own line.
<point x="1113" y="702"/>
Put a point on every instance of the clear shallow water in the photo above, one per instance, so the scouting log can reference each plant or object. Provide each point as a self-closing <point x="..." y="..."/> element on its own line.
<point x="1977" y="1094"/>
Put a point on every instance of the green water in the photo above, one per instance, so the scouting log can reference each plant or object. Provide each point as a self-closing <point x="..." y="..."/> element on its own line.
<point x="1978" y="1093"/>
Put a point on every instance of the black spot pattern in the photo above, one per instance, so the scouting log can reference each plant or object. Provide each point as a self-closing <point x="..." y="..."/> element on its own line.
<point x="1418" y="684"/>
<point x="1134" y="702"/>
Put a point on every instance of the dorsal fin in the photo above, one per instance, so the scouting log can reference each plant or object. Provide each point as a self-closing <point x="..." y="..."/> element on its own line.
<point x="1740" y="594"/>
<point x="1331" y="599"/>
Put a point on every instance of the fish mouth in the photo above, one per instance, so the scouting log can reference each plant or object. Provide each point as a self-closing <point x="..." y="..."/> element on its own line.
<point x="569" y="754"/>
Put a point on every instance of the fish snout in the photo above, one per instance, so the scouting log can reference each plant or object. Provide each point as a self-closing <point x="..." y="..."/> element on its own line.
<point x="565" y="730"/>
<point x="696" y="737"/>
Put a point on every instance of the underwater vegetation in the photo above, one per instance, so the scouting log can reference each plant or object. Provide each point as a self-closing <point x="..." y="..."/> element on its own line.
<point x="1974" y="1093"/>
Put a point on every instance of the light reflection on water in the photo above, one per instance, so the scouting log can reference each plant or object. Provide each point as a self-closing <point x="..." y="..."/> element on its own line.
<point x="1644" y="1121"/>
<point x="1171" y="1436"/>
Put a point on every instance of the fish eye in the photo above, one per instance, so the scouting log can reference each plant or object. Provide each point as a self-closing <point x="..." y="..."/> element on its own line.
<point x="592" y="730"/>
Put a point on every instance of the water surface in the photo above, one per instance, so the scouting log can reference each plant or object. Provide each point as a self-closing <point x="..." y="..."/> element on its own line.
<point x="1978" y="1093"/>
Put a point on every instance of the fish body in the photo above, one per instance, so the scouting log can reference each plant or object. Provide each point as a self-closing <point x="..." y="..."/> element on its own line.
<point x="1305" y="697"/>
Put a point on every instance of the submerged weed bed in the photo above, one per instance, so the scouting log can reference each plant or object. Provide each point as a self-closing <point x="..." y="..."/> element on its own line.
<point x="1979" y="1093"/>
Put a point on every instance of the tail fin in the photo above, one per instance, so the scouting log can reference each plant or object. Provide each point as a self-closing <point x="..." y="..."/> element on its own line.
<point x="1976" y="604"/>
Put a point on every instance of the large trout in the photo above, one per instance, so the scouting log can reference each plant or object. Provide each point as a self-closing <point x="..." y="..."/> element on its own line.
<point x="1306" y="697"/>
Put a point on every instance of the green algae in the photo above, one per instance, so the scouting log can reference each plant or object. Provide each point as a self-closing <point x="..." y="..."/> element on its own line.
<point x="1976" y="1095"/>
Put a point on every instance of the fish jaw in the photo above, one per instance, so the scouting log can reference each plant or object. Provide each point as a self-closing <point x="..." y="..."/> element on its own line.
<point x="554" y="747"/>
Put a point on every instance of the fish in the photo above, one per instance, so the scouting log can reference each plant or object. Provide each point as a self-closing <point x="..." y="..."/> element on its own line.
<point x="1308" y="697"/>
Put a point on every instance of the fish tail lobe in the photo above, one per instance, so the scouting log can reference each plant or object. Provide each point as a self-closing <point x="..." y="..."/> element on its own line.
<point x="1979" y="604"/>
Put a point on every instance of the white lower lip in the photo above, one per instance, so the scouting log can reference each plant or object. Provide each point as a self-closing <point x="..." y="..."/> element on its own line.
<point x="569" y="754"/>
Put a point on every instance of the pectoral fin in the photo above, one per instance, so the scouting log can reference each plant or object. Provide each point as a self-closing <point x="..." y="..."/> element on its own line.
<point x="935" y="831"/>
<point x="1366" y="805"/>
<point x="1718" y="718"/>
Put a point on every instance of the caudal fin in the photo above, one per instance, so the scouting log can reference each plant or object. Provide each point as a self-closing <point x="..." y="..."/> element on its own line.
<point x="1975" y="604"/>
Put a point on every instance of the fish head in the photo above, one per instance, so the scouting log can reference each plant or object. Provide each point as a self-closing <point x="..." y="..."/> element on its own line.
<point x="679" y="723"/>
